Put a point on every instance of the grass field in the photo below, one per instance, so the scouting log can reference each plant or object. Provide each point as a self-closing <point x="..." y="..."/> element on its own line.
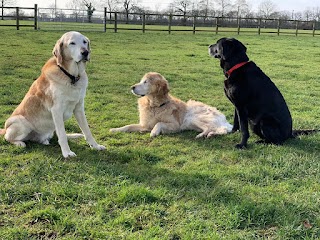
<point x="173" y="186"/>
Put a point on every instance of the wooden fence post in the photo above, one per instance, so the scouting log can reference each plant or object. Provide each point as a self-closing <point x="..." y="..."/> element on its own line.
<point x="239" y="20"/>
<point x="115" y="22"/>
<point x="194" y="24"/>
<point x="144" y="23"/>
<point x="105" y="20"/>
<point x="313" y="28"/>
<point x="217" y="25"/>
<point x="17" y="16"/>
<point x="35" y="16"/>
<point x="278" y="28"/>
<point x="259" y="26"/>
<point x="297" y="24"/>
<point x="170" y="22"/>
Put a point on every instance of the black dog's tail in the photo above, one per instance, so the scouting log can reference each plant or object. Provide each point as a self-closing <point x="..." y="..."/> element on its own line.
<point x="296" y="133"/>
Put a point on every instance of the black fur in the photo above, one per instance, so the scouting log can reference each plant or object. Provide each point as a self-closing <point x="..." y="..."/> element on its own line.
<point x="257" y="100"/>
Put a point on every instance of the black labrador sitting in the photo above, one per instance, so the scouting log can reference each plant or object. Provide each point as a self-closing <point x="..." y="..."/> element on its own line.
<point x="257" y="100"/>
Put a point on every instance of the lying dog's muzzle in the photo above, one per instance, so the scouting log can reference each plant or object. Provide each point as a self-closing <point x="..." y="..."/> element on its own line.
<point x="133" y="88"/>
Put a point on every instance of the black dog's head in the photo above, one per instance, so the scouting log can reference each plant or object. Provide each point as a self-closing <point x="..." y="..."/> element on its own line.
<point x="230" y="51"/>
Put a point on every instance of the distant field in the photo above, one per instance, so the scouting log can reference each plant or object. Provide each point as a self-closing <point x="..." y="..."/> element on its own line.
<point x="173" y="186"/>
<point x="83" y="26"/>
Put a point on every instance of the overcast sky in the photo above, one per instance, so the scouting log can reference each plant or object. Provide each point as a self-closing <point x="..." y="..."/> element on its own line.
<point x="289" y="5"/>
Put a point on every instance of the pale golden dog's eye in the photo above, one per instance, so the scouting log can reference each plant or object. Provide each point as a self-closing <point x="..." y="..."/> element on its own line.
<point x="85" y="42"/>
<point x="72" y="43"/>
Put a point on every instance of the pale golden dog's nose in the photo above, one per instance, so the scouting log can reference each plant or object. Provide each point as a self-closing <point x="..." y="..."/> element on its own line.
<point x="85" y="53"/>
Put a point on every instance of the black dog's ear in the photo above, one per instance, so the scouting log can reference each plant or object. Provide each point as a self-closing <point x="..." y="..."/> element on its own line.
<point x="232" y="47"/>
<point x="241" y="46"/>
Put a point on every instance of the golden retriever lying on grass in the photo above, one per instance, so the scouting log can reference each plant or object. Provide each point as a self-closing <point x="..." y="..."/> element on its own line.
<point x="162" y="113"/>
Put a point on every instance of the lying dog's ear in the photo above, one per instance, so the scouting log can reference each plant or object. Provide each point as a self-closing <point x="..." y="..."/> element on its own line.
<point x="58" y="51"/>
<point x="163" y="88"/>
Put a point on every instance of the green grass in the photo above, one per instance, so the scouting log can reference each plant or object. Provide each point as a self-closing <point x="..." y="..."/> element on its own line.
<point x="172" y="186"/>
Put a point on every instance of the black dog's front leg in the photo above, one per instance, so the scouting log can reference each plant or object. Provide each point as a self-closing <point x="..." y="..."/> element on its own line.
<point x="243" y="120"/>
<point x="235" y="121"/>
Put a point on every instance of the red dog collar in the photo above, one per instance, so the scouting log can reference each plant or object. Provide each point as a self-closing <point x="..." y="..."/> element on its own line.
<point x="235" y="67"/>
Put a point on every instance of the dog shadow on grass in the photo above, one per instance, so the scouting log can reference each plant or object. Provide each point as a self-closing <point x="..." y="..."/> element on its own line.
<point x="152" y="180"/>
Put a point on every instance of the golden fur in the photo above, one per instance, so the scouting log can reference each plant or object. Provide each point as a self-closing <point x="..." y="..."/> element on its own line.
<point x="162" y="113"/>
<point x="52" y="98"/>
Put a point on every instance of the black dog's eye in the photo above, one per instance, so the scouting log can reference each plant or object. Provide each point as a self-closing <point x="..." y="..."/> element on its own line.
<point x="72" y="43"/>
<point x="216" y="51"/>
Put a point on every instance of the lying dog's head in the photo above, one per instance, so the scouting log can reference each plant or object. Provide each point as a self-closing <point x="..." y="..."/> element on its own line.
<point x="72" y="46"/>
<point x="152" y="83"/>
<point x="228" y="50"/>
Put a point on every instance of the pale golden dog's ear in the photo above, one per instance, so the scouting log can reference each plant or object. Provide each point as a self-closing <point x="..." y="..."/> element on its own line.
<point x="89" y="48"/>
<point x="89" y="45"/>
<point x="163" y="88"/>
<point x="58" y="51"/>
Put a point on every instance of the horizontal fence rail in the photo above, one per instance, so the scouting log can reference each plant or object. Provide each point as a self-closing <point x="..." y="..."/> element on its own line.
<point x="19" y="17"/>
<point x="105" y="21"/>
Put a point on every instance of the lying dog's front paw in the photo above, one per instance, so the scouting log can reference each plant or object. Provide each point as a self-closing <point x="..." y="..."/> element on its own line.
<point x="114" y="130"/>
<point x="154" y="134"/>
<point x="69" y="154"/>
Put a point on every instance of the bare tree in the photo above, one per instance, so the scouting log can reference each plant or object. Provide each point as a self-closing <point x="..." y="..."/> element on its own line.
<point x="242" y="8"/>
<point x="206" y="7"/>
<point x="128" y="5"/>
<point x="52" y="9"/>
<point x="267" y="8"/>
<point x="182" y="7"/>
<point x="111" y="5"/>
<point x="76" y="7"/>
<point x="316" y="13"/>
<point x="224" y="6"/>
<point x="6" y="3"/>
<point x="90" y="10"/>
<point x="307" y="14"/>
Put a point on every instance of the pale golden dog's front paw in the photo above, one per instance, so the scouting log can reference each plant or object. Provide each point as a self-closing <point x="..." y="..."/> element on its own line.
<point x="69" y="154"/>
<point x="114" y="130"/>
<point x="99" y="147"/>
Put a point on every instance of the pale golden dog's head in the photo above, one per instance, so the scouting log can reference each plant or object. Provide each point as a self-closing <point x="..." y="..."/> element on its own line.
<point x="152" y="83"/>
<point x="72" y="46"/>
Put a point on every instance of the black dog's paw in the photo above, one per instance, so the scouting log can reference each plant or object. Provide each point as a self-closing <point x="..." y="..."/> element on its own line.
<point x="241" y="146"/>
<point x="234" y="130"/>
<point x="262" y="142"/>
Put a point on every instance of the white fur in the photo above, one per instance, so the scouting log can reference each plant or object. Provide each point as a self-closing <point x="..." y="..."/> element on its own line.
<point x="207" y="119"/>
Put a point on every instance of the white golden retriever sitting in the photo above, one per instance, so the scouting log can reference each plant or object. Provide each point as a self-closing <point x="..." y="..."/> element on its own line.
<point x="162" y="113"/>
<point x="54" y="97"/>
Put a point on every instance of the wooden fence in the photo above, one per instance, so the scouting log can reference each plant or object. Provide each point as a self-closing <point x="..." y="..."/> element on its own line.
<point x="18" y="17"/>
<point x="119" y="21"/>
<point x="116" y="21"/>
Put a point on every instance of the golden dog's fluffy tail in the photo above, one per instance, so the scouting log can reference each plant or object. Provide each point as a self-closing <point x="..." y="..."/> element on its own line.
<point x="2" y="131"/>
<point x="209" y="120"/>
